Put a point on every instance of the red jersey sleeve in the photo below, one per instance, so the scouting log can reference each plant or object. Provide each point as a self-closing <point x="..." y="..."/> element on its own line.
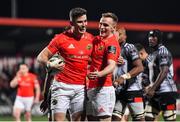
<point x="113" y="49"/>
<point x="35" y="78"/>
<point x="54" y="44"/>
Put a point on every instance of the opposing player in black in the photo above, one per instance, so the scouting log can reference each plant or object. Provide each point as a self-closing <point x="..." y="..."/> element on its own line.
<point x="146" y="61"/>
<point x="163" y="91"/>
<point x="128" y="87"/>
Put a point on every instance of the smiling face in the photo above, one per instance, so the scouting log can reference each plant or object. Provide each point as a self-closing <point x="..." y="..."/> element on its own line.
<point x="154" y="38"/>
<point x="80" y="25"/>
<point x="106" y="26"/>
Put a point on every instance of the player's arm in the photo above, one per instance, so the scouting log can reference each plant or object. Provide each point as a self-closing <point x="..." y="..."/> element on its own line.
<point x="113" y="51"/>
<point x="137" y="68"/>
<point x="161" y="76"/>
<point x="14" y="81"/>
<point x="37" y="91"/>
<point x="108" y="69"/>
<point x="137" y="65"/>
<point x="164" y="60"/>
<point x="44" y="56"/>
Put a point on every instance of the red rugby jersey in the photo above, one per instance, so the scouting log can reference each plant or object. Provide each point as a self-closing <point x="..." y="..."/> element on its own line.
<point x="103" y="49"/>
<point x="26" y="85"/>
<point x="76" y="53"/>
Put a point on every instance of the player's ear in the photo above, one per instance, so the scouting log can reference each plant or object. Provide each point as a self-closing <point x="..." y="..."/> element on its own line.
<point x="71" y="23"/>
<point x="113" y="29"/>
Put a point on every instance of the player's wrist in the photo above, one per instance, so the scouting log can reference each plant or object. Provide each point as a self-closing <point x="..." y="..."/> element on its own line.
<point x="126" y="76"/>
<point x="99" y="74"/>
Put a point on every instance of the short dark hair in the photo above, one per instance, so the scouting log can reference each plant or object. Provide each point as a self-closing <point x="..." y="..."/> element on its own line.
<point x="21" y="63"/>
<point x="139" y="46"/>
<point x="76" y="12"/>
<point x="111" y="15"/>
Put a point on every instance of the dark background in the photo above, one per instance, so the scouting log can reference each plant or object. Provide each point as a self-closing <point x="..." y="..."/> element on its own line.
<point x="151" y="11"/>
<point x="30" y="40"/>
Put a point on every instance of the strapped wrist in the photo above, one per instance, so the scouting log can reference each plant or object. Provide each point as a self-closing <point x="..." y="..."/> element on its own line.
<point x="126" y="76"/>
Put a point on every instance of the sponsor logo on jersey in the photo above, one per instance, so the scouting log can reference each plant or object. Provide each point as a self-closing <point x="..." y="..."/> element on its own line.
<point x="101" y="47"/>
<point x="112" y="49"/>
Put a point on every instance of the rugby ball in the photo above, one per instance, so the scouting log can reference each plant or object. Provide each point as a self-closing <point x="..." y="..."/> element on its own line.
<point x="53" y="62"/>
<point x="56" y="60"/>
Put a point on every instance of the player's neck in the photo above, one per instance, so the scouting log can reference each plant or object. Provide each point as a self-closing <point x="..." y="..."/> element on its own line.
<point x="77" y="34"/>
<point x="25" y="74"/>
<point x="108" y="36"/>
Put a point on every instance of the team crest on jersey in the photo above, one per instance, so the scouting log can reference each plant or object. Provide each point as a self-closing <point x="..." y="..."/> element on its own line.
<point x="112" y="49"/>
<point x="89" y="46"/>
<point x="101" y="47"/>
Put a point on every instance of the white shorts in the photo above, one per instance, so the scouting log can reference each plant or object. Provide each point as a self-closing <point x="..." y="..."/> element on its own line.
<point x="67" y="96"/>
<point x="135" y="108"/>
<point x="24" y="103"/>
<point x="101" y="101"/>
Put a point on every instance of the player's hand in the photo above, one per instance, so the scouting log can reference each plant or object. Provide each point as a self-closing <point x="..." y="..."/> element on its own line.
<point x="120" y="60"/>
<point x="93" y="75"/>
<point x="118" y="81"/>
<point x="149" y="91"/>
<point x="44" y="106"/>
<point x="115" y="83"/>
<point x="57" y="64"/>
<point x="18" y="75"/>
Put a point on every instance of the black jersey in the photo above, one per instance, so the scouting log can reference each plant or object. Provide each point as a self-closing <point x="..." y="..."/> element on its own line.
<point x="129" y="54"/>
<point x="161" y="57"/>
